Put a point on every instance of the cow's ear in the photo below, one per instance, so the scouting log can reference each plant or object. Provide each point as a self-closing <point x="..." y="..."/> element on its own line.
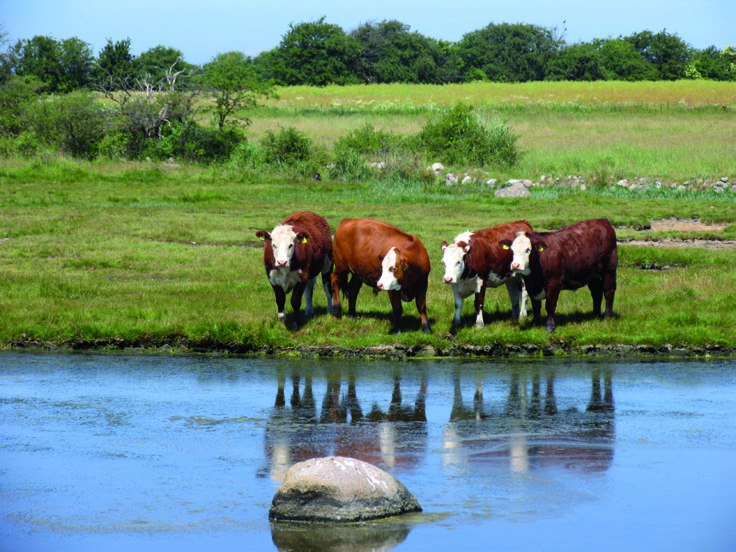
<point x="301" y="237"/>
<point x="540" y="246"/>
<point x="506" y="244"/>
<point x="444" y="245"/>
<point x="380" y="257"/>
<point x="263" y="235"/>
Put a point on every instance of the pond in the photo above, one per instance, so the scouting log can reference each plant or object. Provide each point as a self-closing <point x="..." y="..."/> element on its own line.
<point x="113" y="452"/>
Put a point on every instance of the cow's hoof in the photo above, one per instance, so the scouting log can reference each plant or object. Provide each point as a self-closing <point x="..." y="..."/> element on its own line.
<point x="550" y="329"/>
<point x="426" y="329"/>
<point x="337" y="312"/>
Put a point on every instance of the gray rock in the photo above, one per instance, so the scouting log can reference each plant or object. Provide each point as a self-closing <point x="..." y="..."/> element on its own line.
<point x="437" y="167"/>
<point x="467" y="180"/>
<point x="342" y="490"/>
<point x="450" y="179"/>
<point x="517" y="190"/>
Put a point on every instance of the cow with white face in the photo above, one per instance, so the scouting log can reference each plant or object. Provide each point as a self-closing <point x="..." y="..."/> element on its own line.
<point x="583" y="254"/>
<point x="384" y="258"/>
<point x="296" y="252"/>
<point x="475" y="261"/>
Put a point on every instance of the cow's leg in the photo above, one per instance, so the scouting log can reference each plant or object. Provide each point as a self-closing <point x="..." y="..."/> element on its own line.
<point x="458" y="306"/>
<point x="308" y="297"/>
<point x="609" y="289"/>
<point x="537" y="312"/>
<point x="398" y="308"/>
<point x="596" y="290"/>
<point x="553" y="293"/>
<point x="278" y="291"/>
<point x="339" y="281"/>
<point x="514" y="290"/>
<point x="353" y="290"/>
<point x="480" y="299"/>
<point x="327" y="285"/>
<point x="421" y="302"/>
<point x="523" y="298"/>
<point x="296" y="303"/>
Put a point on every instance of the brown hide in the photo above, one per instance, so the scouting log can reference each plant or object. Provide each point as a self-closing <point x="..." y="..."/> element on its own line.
<point x="312" y="253"/>
<point x="360" y="245"/>
<point x="487" y="256"/>
<point x="583" y="254"/>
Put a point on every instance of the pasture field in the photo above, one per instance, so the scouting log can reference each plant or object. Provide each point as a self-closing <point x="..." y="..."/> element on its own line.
<point x="673" y="131"/>
<point x="149" y="255"/>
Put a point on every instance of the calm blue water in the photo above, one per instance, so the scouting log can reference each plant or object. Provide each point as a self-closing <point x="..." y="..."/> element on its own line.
<point x="103" y="452"/>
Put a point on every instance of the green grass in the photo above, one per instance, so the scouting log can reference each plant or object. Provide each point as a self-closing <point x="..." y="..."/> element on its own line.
<point x="143" y="255"/>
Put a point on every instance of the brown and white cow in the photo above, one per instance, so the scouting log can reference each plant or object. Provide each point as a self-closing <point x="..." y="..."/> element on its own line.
<point x="386" y="259"/>
<point x="476" y="260"/>
<point x="583" y="254"/>
<point x="296" y="252"/>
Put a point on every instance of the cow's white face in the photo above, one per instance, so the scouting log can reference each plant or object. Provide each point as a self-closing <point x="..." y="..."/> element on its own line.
<point x="283" y="239"/>
<point x="453" y="257"/>
<point x="389" y="265"/>
<point x="521" y="247"/>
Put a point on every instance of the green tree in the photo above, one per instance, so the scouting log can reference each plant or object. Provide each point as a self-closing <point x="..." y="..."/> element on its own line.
<point x="155" y="63"/>
<point x="115" y="68"/>
<point x="391" y="53"/>
<point x="711" y="63"/>
<point x="579" y="62"/>
<point x="16" y="95"/>
<point x="668" y="53"/>
<point x="621" y="61"/>
<point x="234" y="83"/>
<point x="315" y="53"/>
<point x="508" y="52"/>
<point x="60" y="66"/>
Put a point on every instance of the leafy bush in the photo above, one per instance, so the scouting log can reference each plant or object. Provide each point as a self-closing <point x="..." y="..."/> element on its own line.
<point x="364" y="151"/>
<point x="74" y="123"/>
<point x="287" y="147"/>
<point x="462" y="136"/>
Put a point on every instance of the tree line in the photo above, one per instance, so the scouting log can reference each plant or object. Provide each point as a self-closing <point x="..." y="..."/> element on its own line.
<point x="319" y="53"/>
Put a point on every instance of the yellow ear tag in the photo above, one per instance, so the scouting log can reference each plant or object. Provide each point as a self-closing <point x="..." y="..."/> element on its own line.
<point x="261" y="238"/>
<point x="505" y="246"/>
<point x="541" y="248"/>
<point x="304" y="240"/>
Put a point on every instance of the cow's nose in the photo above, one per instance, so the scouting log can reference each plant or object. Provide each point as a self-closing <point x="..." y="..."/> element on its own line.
<point x="379" y="285"/>
<point x="281" y="263"/>
<point x="515" y="266"/>
<point x="448" y="279"/>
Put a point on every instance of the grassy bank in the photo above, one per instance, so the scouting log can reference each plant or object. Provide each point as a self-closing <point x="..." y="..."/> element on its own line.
<point x="141" y="254"/>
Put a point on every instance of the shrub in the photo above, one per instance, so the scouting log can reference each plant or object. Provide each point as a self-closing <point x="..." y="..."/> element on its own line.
<point x="355" y="152"/>
<point x="74" y="123"/>
<point x="462" y="136"/>
<point x="287" y="147"/>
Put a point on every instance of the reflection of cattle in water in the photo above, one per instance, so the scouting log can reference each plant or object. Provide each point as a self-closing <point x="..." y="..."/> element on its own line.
<point x="529" y="431"/>
<point x="395" y="438"/>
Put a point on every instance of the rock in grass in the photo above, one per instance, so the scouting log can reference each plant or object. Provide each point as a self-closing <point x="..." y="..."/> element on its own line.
<point x="339" y="489"/>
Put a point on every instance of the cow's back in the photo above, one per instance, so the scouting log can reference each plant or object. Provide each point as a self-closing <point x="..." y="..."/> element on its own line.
<point x="581" y="251"/>
<point x="360" y="242"/>
<point x="486" y="253"/>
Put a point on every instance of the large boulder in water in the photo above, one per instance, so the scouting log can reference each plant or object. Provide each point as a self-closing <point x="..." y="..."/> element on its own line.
<point x="338" y="489"/>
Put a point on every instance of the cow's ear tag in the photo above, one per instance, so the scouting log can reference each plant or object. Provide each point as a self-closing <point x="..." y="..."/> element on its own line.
<point x="541" y="248"/>
<point x="304" y="240"/>
<point x="261" y="238"/>
<point x="505" y="246"/>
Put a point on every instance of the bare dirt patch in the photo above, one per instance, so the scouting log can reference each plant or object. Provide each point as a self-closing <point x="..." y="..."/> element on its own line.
<point x="685" y="225"/>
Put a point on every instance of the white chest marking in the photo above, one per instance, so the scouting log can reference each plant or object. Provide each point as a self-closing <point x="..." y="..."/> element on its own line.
<point x="284" y="278"/>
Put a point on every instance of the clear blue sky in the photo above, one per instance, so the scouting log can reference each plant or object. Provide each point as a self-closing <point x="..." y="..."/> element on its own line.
<point x="203" y="28"/>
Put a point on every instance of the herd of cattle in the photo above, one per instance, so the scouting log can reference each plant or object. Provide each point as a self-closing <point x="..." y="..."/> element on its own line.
<point x="532" y="265"/>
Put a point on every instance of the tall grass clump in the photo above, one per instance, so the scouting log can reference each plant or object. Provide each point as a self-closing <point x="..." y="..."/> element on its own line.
<point x="465" y="136"/>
